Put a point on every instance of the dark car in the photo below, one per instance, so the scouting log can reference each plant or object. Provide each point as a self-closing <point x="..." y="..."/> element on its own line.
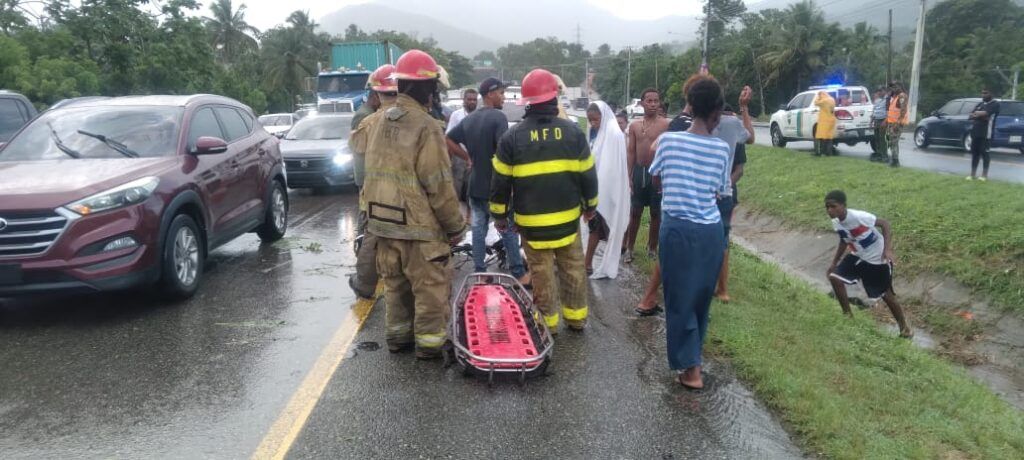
<point x="316" y="152"/>
<point x="950" y="125"/>
<point x="131" y="191"/>
<point x="15" y="112"/>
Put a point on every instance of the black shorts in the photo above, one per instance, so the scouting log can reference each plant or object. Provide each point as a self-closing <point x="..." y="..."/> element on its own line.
<point x="725" y="208"/>
<point x="644" y="192"/>
<point x="598" y="226"/>
<point x="876" y="278"/>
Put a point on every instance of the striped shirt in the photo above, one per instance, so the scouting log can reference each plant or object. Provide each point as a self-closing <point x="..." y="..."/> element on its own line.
<point x="693" y="172"/>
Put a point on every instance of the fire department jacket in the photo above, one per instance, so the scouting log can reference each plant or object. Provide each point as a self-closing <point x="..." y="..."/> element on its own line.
<point x="408" y="191"/>
<point x="544" y="168"/>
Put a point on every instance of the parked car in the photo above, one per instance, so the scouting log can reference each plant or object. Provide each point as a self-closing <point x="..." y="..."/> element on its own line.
<point x="75" y="100"/>
<point x="635" y="108"/>
<point x="797" y="120"/>
<point x="133" y="191"/>
<point x="277" y="123"/>
<point x="15" y="112"/>
<point x="950" y="125"/>
<point x="316" y="153"/>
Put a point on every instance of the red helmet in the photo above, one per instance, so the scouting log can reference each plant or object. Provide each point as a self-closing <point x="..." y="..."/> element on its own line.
<point x="415" y="65"/>
<point x="381" y="79"/>
<point x="538" y="86"/>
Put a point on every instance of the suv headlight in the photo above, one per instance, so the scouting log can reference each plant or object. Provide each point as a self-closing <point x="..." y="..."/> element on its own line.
<point x="342" y="158"/>
<point x="128" y="194"/>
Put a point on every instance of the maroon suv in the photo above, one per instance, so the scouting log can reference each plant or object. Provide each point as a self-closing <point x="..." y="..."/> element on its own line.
<point x="109" y="194"/>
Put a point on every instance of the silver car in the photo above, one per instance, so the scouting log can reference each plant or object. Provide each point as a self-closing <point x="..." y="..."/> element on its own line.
<point x="316" y="153"/>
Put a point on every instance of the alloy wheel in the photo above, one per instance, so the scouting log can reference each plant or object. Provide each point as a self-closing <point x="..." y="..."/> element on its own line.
<point x="186" y="256"/>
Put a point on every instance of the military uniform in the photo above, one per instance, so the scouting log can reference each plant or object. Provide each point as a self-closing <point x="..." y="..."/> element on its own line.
<point x="895" y="120"/>
<point x="414" y="213"/>
<point x="545" y="162"/>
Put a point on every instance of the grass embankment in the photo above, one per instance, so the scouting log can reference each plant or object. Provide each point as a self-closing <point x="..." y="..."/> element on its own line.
<point x="971" y="231"/>
<point x="848" y="389"/>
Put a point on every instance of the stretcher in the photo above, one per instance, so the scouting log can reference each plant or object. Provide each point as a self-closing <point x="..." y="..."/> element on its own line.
<point x="496" y="330"/>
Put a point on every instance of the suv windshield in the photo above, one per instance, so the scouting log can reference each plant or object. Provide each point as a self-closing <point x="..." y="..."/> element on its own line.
<point x="1011" y="108"/>
<point x="150" y="131"/>
<point x="317" y="128"/>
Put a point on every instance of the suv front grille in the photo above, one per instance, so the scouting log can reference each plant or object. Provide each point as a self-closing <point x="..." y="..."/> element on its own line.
<point x="335" y="107"/>
<point x="309" y="165"/>
<point x="28" y="234"/>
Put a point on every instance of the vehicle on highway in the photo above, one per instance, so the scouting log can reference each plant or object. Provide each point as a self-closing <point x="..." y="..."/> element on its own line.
<point x="316" y="153"/>
<point x="797" y="120"/>
<point x="950" y="125"/>
<point x="15" y="112"/>
<point x="134" y="191"/>
<point x="635" y="108"/>
<point x="277" y="123"/>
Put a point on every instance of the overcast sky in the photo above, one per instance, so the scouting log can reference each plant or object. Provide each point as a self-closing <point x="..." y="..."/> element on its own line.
<point x="264" y="14"/>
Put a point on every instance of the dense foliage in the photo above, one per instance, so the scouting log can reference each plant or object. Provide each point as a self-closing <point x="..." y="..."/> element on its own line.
<point x="120" y="47"/>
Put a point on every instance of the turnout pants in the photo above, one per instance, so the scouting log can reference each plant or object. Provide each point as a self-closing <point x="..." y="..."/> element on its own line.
<point x="571" y="288"/>
<point x="417" y="276"/>
<point x="364" y="282"/>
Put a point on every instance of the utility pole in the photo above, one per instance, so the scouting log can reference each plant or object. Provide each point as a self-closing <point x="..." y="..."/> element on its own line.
<point x="915" y="74"/>
<point x="629" y="70"/>
<point x="578" y="33"/>
<point x="888" y="68"/>
<point x="658" y="87"/>
<point x="586" y="78"/>
<point x="1016" y="78"/>
<point x="760" y="82"/>
<point x="704" y="52"/>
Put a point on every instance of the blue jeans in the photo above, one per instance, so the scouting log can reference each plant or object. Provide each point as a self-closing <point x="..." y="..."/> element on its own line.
<point x="691" y="257"/>
<point x="481" y="217"/>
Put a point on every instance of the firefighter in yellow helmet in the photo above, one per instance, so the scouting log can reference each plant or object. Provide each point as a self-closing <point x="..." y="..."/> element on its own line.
<point x="412" y="210"/>
<point x="544" y="174"/>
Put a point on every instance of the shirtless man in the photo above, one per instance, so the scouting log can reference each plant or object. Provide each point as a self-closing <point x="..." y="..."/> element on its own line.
<point x="639" y="155"/>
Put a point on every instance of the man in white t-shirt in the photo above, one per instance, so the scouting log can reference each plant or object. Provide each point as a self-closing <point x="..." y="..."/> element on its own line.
<point x="460" y="168"/>
<point x="864" y="254"/>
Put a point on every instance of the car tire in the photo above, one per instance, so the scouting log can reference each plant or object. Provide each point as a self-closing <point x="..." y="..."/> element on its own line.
<point x="777" y="139"/>
<point x="921" y="138"/>
<point x="181" y="259"/>
<point x="275" y="220"/>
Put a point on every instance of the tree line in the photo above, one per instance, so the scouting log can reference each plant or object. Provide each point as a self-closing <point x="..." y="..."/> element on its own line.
<point x="122" y="47"/>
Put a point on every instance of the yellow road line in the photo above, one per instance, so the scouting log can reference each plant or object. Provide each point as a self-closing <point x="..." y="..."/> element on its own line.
<point x="289" y="423"/>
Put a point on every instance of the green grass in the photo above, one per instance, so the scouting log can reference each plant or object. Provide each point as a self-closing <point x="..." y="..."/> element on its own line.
<point x="845" y="387"/>
<point x="971" y="231"/>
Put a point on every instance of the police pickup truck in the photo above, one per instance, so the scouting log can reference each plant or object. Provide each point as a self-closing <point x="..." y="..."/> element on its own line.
<point x="797" y="120"/>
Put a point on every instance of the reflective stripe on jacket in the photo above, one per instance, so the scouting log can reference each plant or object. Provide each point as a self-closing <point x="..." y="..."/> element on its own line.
<point x="544" y="167"/>
<point x="897" y="110"/>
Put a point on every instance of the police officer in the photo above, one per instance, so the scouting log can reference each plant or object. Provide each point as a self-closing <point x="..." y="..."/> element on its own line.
<point x="895" y="120"/>
<point x="545" y="163"/>
<point x="412" y="210"/>
<point x="383" y="93"/>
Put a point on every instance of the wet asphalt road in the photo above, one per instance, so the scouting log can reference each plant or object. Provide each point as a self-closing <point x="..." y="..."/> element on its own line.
<point x="1007" y="165"/>
<point x="128" y="376"/>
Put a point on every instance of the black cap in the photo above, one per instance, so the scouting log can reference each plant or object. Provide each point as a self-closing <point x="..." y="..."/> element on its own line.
<point x="491" y="84"/>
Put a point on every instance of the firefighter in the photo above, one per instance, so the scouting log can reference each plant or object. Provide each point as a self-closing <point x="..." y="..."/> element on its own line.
<point x="412" y="210"/>
<point x="383" y="93"/>
<point x="544" y="174"/>
<point x="895" y="120"/>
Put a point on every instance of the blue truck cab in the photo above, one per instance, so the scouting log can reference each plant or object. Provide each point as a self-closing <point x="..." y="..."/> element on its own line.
<point x="341" y="90"/>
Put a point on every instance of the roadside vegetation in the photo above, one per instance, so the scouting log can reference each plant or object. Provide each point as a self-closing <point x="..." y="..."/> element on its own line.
<point x="970" y="231"/>
<point x="846" y="388"/>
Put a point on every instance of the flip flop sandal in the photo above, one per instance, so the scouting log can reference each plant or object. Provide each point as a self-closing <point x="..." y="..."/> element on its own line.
<point x="649" y="311"/>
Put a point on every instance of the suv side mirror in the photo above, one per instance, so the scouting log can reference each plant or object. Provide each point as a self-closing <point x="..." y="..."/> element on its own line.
<point x="207" y="145"/>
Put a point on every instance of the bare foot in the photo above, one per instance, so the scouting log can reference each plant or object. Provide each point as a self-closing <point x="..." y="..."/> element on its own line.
<point x="691" y="378"/>
<point x="723" y="297"/>
<point x="907" y="334"/>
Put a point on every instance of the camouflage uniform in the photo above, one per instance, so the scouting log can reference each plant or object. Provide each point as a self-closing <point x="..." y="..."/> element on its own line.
<point x="414" y="214"/>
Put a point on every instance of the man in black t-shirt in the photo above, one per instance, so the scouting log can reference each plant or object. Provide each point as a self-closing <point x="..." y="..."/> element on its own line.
<point x="480" y="132"/>
<point x="982" y="121"/>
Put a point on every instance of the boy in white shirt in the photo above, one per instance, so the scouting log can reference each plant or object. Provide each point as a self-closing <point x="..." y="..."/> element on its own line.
<point x="864" y="254"/>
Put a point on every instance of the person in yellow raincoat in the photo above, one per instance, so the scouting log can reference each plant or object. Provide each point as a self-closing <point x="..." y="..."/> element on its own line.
<point x="826" y="128"/>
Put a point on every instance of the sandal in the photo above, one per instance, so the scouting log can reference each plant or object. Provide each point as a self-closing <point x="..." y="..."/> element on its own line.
<point x="649" y="311"/>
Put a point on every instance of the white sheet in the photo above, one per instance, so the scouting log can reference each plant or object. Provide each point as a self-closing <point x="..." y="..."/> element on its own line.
<point x="609" y="150"/>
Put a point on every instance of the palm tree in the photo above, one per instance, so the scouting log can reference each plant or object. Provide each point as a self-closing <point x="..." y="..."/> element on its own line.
<point x="229" y="32"/>
<point x="797" y="46"/>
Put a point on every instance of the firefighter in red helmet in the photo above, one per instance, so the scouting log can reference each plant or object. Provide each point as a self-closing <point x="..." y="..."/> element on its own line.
<point x="413" y="210"/>
<point x="545" y="163"/>
<point x="383" y="93"/>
